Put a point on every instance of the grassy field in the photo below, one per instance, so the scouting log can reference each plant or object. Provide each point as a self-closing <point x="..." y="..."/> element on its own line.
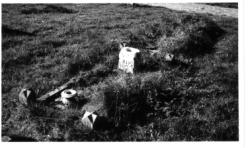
<point x="193" y="98"/>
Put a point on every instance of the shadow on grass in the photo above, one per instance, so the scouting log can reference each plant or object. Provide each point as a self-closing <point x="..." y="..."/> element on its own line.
<point x="48" y="9"/>
<point x="8" y="31"/>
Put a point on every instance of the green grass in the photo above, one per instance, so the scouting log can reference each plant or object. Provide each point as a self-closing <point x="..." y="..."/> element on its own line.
<point x="43" y="46"/>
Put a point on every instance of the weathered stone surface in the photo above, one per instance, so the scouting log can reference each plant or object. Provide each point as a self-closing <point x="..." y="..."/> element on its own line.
<point x="52" y="93"/>
<point x="89" y="119"/>
<point x="126" y="59"/>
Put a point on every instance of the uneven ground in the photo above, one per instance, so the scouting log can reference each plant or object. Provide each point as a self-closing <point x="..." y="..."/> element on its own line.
<point x="194" y="98"/>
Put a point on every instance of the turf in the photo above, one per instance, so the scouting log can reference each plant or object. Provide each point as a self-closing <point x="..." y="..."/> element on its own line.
<point x="43" y="46"/>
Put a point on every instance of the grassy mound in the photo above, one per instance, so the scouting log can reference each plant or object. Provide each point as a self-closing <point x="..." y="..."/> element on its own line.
<point x="195" y="36"/>
<point x="186" y="37"/>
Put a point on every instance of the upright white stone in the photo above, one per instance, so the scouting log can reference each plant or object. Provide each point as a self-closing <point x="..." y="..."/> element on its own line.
<point x="126" y="58"/>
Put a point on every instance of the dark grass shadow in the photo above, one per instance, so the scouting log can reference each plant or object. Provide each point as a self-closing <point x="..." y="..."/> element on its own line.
<point x="54" y="43"/>
<point x="7" y="31"/>
<point x="103" y="123"/>
<point x="48" y="9"/>
<point x="17" y="138"/>
<point x="21" y="60"/>
<point x="10" y="44"/>
<point x="138" y="5"/>
<point x="78" y="104"/>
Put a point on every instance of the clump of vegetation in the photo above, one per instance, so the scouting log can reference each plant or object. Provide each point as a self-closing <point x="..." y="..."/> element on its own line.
<point x="98" y="47"/>
<point x="196" y="36"/>
<point x="147" y="62"/>
<point x="80" y="62"/>
<point x="135" y="99"/>
<point x="124" y="101"/>
<point x="54" y="43"/>
<point x="145" y="36"/>
<point x="111" y="61"/>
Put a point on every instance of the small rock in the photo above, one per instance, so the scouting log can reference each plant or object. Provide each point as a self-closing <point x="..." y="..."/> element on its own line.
<point x="27" y="96"/>
<point x="89" y="119"/>
<point x="6" y="139"/>
<point x="60" y="106"/>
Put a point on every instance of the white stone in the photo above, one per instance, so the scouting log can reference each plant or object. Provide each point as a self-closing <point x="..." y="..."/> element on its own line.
<point x="126" y="59"/>
<point x="26" y="96"/>
<point x="89" y="119"/>
<point x="169" y="57"/>
<point x="63" y="103"/>
<point x="68" y="93"/>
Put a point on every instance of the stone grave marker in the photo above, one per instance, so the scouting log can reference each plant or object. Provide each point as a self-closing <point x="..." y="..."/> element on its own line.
<point x="126" y="59"/>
